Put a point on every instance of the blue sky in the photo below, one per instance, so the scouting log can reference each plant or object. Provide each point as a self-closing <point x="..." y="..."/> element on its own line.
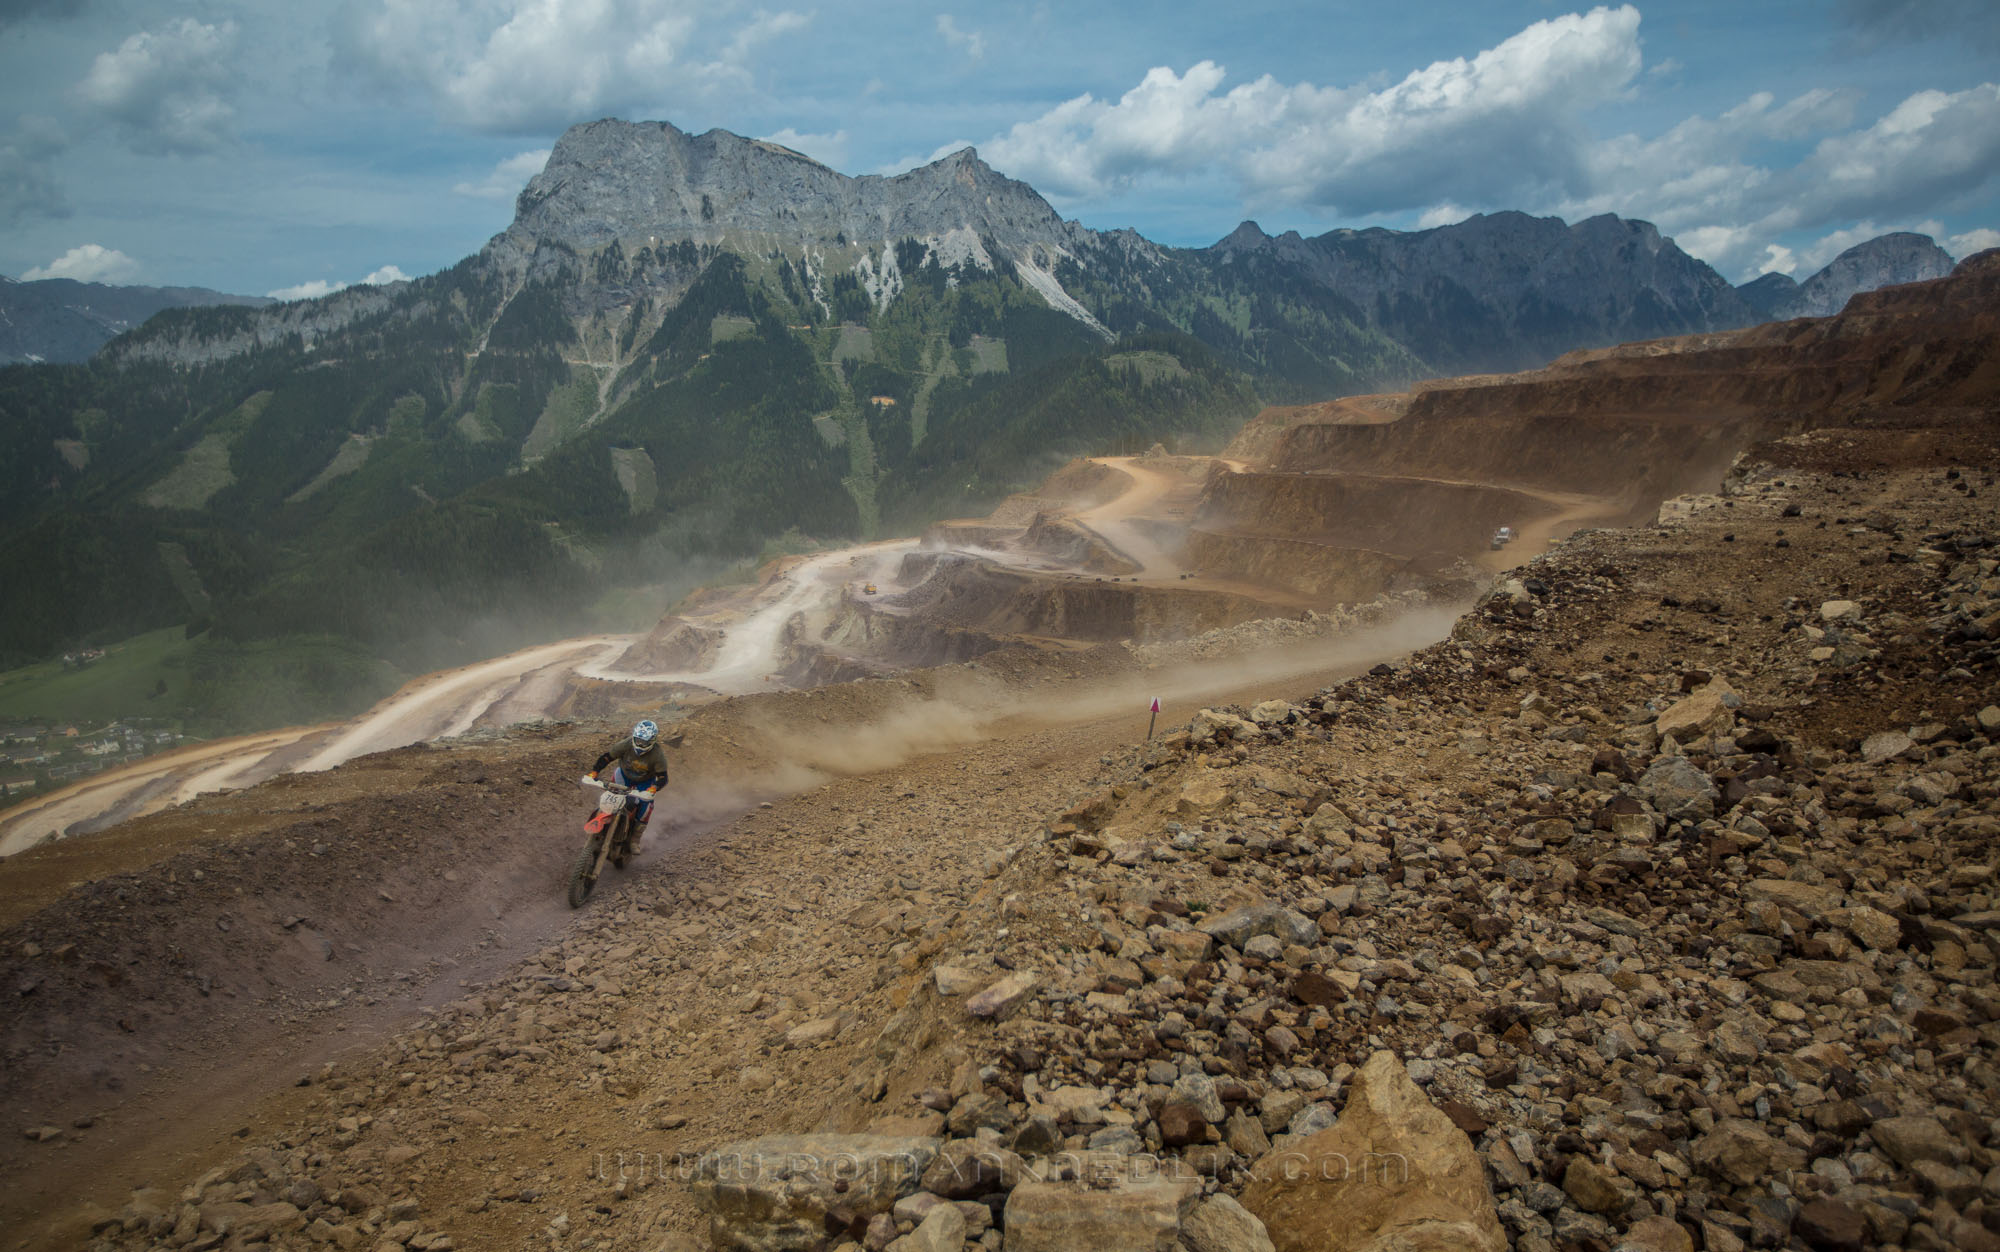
<point x="257" y="147"/>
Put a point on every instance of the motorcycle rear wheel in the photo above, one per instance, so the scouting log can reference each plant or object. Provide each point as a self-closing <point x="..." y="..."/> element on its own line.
<point x="583" y="875"/>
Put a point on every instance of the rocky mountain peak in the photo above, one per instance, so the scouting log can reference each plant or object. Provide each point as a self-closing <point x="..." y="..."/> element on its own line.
<point x="650" y="182"/>
<point x="1885" y="261"/>
<point x="1248" y="237"/>
<point x="1770" y="294"/>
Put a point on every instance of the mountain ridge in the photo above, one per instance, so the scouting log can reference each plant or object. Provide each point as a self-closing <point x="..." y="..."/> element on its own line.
<point x="1885" y="261"/>
<point x="1500" y="291"/>
<point x="687" y="347"/>
<point x="63" y="320"/>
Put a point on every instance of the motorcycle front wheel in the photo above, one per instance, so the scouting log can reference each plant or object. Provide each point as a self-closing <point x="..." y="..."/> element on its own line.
<point x="583" y="875"/>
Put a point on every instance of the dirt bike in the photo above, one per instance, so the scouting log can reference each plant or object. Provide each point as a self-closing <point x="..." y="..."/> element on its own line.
<point x="614" y="834"/>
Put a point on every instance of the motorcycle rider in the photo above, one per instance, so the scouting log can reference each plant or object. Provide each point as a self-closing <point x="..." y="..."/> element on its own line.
<point x="639" y="762"/>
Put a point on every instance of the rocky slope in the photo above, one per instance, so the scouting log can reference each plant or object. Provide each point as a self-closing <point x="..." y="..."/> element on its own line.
<point x="1651" y="910"/>
<point x="1367" y="493"/>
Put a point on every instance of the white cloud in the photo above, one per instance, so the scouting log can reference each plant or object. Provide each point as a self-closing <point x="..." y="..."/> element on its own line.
<point x="1979" y="240"/>
<point x="28" y="186"/>
<point x="761" y="29"/>
<point x="307" y="291"/>
<point x="1702" y="170"/>
<point x="1509" y="128"/>
<point x="904" y="165"/>
<point x="166" y="88"/>
<point x="1702" y="182"/>
<point x="1504" y="127"/>
<point x="507" y="177"/>
<point x="826" y="149"/>
<point x="1778" y="259"/>
<point x="1931" y="147"/>
<point x="90" y="263"/>
<point x="315" y="288"/>
<point x="1446" y="214"/>
<point x="971" y="41"/>
<point x="538" y="65"/>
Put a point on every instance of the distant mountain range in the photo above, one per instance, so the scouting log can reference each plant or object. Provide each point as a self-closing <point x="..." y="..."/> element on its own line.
<point x="685" y="347"/>
<point x="61" y="320"/>
<point x="1884" y="261"/>
<point x="1499" y="291"/>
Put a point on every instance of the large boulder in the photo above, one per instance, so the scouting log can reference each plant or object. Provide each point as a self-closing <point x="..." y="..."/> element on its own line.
<point x="1240" y="925"/>
<point x="1133" y="1211"/>
<point x="967" y="1169"/>
<point x="785" y="1193"/>
<point x="1394" y="1174"/>
<point x="1220" y="1224"/>
<point x="1817" y="901"/>
<point x="942" y="1230"/>
<point x="1706" y="711"/>
<point x="1678" y="790"/>
<point x="1739" y="1152"/>
<point x="1001" y="999"/>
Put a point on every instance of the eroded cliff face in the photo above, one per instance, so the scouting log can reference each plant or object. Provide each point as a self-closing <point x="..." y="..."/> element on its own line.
<point x="1314" y="495"/>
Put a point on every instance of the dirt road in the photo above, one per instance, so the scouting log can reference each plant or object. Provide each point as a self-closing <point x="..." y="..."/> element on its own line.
<point x="966" y="757"/>
<point x="1114" y="518"/>
<point x="1537" y="535"/>
<point x="531" y="683"/>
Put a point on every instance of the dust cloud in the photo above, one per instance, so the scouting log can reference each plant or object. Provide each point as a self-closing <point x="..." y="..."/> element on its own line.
<point x="779" y="755"/>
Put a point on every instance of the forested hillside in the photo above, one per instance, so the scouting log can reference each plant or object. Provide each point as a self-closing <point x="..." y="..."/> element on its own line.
<point x="461" y="470"/>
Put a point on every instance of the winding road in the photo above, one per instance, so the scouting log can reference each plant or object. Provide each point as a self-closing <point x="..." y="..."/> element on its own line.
<point x="533" y="682"/>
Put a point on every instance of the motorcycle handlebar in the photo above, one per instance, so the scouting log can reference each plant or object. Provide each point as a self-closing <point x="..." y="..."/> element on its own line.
<point x="617" y="788"/>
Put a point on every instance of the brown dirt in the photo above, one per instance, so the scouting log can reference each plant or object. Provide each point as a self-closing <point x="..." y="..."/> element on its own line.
<point x="430" y="869"/>
<point x="649" y="1010"/>
<point x="831" y="843"/>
